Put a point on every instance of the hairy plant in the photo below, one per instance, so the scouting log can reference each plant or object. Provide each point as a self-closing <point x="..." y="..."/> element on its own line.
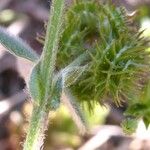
<point x="140" y="106"/>
<point x="116" y="52"/>
<point x="90" y="53"/>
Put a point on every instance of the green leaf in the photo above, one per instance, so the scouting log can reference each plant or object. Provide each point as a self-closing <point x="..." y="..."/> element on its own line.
<point x="56" y="93"/>
<point x="17" y="46"/>
<point x="71" y="74"/>
<point x="65" y="78"/>
<point x="36" y="87"/>
<point x="78" y="117"/>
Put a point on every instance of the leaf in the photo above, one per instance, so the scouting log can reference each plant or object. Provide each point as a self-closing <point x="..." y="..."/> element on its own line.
<point x="56" y="93"/>
<point x="65" y="78"/>
<point x="75" y="110"/>
<point x="80" y="59"/>
<point x="17" y="46"/>
<point x="36" y="87"/>
<point x="71" y="74"/>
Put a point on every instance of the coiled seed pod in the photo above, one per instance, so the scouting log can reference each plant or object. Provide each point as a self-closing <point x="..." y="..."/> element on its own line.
<point x="116" y="52"/>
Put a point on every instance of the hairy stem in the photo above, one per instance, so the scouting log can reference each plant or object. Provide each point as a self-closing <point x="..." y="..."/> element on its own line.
<point x="38" y="125"/>
<point x="51" y="43"/>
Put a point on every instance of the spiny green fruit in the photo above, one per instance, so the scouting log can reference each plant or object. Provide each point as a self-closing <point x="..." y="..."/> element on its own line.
<point x="116" y="52"/>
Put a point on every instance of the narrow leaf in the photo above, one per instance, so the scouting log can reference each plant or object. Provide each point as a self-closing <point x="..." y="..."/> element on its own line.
<point x="63" y="79"/>
<point x="35" y="84"/>
<point x="56" y="93"/>
<point x="17" y="46"/>
<point x="69" y="100"/>
<point x="71" y="74"/>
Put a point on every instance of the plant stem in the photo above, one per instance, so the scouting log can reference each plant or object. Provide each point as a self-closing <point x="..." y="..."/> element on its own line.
<point x="51" y="43"/>
<point x="39" y="119"/>
<point x="38" y="125"/>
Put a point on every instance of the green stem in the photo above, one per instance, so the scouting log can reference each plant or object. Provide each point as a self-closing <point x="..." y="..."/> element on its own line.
<point x="39" y="119"/>
<point x="38" y="125"/>
<point x="51" y="43"/>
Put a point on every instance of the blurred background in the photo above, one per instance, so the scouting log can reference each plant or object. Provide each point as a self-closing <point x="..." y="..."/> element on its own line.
<point x="25" y="18"/>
